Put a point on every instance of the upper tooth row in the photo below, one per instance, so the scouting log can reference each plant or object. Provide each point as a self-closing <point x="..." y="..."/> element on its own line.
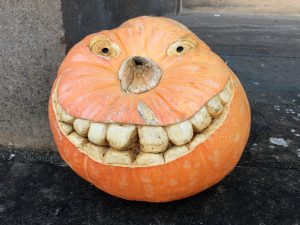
<point x="152" y="139"/>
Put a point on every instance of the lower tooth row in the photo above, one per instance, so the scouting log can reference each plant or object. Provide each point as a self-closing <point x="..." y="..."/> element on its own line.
<point x="154" y="142"/>
<point x="113" y="156"/>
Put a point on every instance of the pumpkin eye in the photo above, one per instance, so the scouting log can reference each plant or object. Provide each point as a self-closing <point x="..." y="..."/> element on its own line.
<point x="105" y="50"/>
<point x="179" y="49"/>
<point x="102" y="46"/>
<point x="182" y="46"/>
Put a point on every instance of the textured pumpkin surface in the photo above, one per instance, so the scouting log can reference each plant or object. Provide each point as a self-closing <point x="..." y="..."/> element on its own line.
<point x="200" y="111"/>
<point x="89" y="87"/>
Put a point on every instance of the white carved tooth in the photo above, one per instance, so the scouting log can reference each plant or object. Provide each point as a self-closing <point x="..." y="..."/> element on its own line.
<point x="113" y="156"/>
<point x="175" y="152"/>
<point x="63" y="115"/>
<point x="77" y="140"/>
<point x="66" y="128"/>
<point x="81" y="127"/>
<point x="225" y="95"/>
<point x="94" y="151"/>
<point x="97" y="133"/>
<point x="180" y="133"/>
<point x="149" y="159"/>
<point x="153" y="139"/>
<point x="197" y="140"/>
<point x="214" y="106"/>
<point x="146" y="113"/>
<point x="58" y="108"/>
<point x="201" y="119"/>
<point x="54" y="97"/>
<point x="121" y="136"/>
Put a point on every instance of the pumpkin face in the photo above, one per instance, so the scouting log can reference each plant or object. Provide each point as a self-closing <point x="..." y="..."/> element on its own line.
<point x="148" y="112"/>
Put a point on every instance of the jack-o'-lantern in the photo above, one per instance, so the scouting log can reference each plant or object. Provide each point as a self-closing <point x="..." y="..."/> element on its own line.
<point x="148" y="112"/>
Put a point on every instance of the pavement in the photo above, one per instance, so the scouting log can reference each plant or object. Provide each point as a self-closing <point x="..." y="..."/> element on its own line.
<point x="38" y="188"/>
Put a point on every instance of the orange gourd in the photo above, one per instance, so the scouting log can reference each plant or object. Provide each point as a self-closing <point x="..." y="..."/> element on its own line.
<point x="148" y="112"/>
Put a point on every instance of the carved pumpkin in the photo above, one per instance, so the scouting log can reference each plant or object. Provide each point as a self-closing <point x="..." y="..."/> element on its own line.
<point x="148" y="112"/>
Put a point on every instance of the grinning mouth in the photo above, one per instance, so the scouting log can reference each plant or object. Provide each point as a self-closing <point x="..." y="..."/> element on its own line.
<point x="141" y="146"/>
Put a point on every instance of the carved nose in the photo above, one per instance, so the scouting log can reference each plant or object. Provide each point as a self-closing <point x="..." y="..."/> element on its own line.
<point x="138" y="60"/>
<point x="139" y="74"/>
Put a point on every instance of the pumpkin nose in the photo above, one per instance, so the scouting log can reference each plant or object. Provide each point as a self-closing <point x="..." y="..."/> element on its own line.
<point x="138" y="60"/>
<point x="139" y="74"/>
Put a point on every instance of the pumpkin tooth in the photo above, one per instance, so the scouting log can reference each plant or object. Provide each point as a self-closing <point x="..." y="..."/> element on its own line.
<point x="81" y="127"/>
<point x="197" y="140"/>
<point x="113" y="156"/>
<point x="94" y="151"/>
<point x="201" y="119"/>
<point x="180" y="133"/>
<point x="66" y="128"/>
<point x="225" y="95"/>
<point x="146" y="113"/>
<point x="97" y="133"/>
<point x="145" y="158"/>
<point x="121" y="136"/>
<point x="64" y="116"/>
<point x="77" y="140"/>
<point x="214" y="106"/>
<point x="153" y="139"/>
<point x="175" y="152"/>
<point x="58" y="107"/>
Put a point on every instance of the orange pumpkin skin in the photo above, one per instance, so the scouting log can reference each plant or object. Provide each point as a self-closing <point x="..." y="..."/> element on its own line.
<point x="206" y="165"/>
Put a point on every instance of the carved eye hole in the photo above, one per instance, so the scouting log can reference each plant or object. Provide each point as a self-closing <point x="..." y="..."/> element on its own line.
<point x="179" y="49"/>
<point x="105" y="50"/>
<point x="102" y="46"/>
<point x="182" y="46"/>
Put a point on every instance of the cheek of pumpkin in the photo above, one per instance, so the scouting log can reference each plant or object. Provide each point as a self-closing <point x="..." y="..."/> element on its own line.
<point x="153" y="131"/>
